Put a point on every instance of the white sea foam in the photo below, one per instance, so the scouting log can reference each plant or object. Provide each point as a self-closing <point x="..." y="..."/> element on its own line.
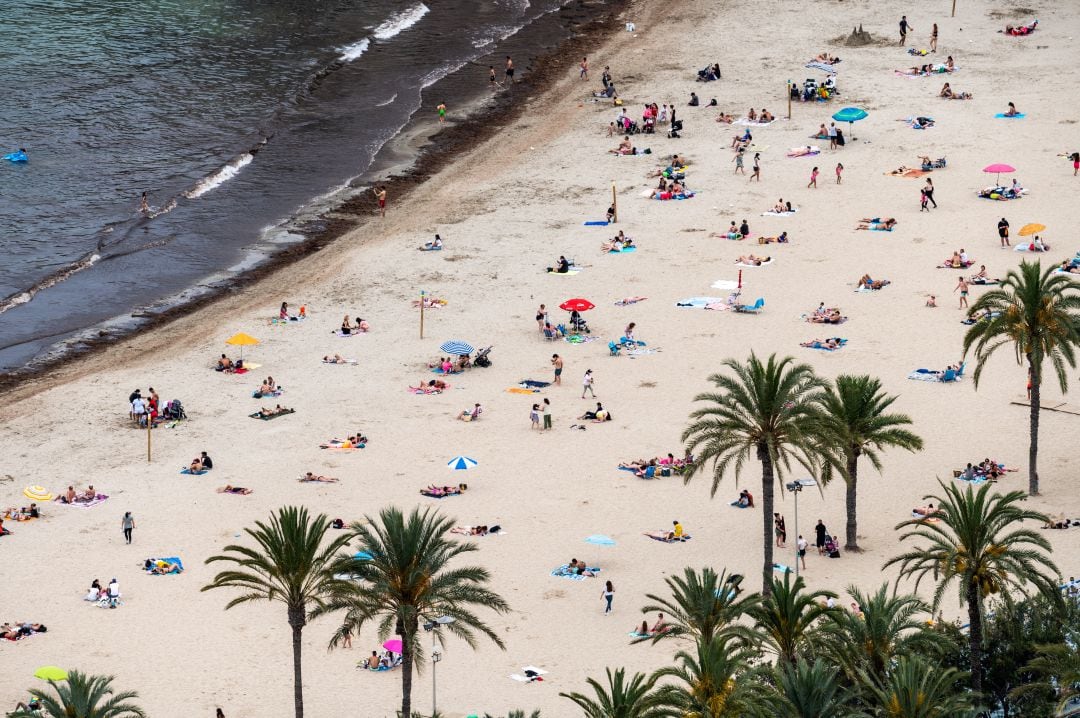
<point x="355" y="50"/>
<point x="223" y="175"/>
<point x="400" y="22"/>
<point x="387" y="102"/>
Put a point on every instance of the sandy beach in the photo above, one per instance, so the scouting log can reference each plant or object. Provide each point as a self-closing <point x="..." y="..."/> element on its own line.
<point x="506" y="211"/>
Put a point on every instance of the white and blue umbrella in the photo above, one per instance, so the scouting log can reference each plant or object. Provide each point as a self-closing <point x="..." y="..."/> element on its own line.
<point x="600" y="540"/>
<point x="457" y="348"/>
<point x="461" y="463"/>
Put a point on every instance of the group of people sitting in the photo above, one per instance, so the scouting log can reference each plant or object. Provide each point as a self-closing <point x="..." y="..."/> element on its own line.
<point x="617" y="243"/>
<point x="20" y="629"/>
<point x="447" y="365"/>
<point x="998" y="192"/>
<point x="764" y="117"/>
<point x="21" y="513"/>
<point x="577" y="568"/>
<point x="201" y="463"/>
<point x="950" y="94"/>
<point x="626" y="147"/>
<point x="438" y="492"/>
<point x="353" y="441"/>
<point x="385" y="662"/>
<point x="109" y="595"/>
<point x="987" y="468"/>
<point x="308" y="477"/>
<point x="78" y="497"/>
<point x="826" y="315"/>
<point x="958" y="260"/>
<point x="711" y="73"/>
<point x="347" y="327"/>
<point x="597" y="415"/>
<point x="866" y="282"/>
<point x="268" y="388"/>
<point x="283" y="313"/>
<point x="745" y="500"/>
<point x="671" y="189"/>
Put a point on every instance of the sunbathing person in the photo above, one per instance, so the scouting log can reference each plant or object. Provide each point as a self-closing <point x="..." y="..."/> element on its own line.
<point x="927" y="510"/>
<point x="1021" y="30"/>
<point x="1068" y="266"/>
<point x="470" y="530"/>
<point x="868" y="283"/>
<point x="950" y="94"/>
<point x="336" y="359"/>
<point x="435" y="244"/>
<point x="802" y="151"/>
<point x="561" y="267"/>
<point x="830" y="343"/>
<point x="265" y="413"/>
<point x="163" y="568"/>
<point x="432" y="386"/>
<point x="877" y="223"/>
<point x="224" y="364"/>
<point x="230" y="489"/>
<point x="832" y="316"/>
<point x="471" y="414"/>
<point x="196" y="465"/>
<point x="626" y="147"/>
<point x="725" y="118"/>
<point x="782" y="239"/>
<point x="310" y="477"/>
<point x="751" y="260"/>
<point x="440" y="491"/>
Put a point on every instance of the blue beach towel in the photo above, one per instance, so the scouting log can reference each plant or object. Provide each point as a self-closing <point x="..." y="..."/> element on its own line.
<point x="167" y="559"/>
<point x="738" y="506"/>
<point x="843" y="342"/>
<point x="597" y="223"/>
<point x="1003" y="116"/>
<point x="564" y="572"/>
<point x="623" y="250"/>
<point x="782" y="568"/>
<point x="189" y="472"/>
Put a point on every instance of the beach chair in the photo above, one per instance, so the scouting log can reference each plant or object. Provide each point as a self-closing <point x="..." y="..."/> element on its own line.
<point x="613" y="348"/>
<point x="949" y="375"/>
<point x="549" y="335"/>
<point x="650" y="472"/>
<point x="750" y="308"/>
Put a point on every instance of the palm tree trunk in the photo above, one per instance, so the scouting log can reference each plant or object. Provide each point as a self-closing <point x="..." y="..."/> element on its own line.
<point x="975" y="637"/>
<point x="406" y="672"/>
<point x="767" y="486"/>
<point x="297" y="621"/>
<point x="852" y="499"/>
<point x="1033" y="449"/>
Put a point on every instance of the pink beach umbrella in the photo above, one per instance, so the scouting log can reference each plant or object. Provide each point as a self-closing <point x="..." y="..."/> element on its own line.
<point x="393" y="645"/>
<point x="997" y="169"/>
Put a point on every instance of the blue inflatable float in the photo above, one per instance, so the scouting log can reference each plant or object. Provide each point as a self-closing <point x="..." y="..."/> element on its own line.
<point x="19" y="156"/>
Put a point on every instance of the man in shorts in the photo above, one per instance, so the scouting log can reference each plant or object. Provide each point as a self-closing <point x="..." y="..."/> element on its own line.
<point x="801" y="544"/>
<point x="380" y="195"/>
<point x="557" y="362"/>
<point x="509" y="70"/>
<point x="904" y="27"/>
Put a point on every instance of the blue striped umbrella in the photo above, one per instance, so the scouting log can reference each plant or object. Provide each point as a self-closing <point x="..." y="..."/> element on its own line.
<point x="461" y="463"/>
<point x="457" y="348"/>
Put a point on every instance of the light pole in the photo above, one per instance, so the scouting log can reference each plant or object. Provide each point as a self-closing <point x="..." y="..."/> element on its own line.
<point x="436" y="655"/>
<point x="796" y="487"/>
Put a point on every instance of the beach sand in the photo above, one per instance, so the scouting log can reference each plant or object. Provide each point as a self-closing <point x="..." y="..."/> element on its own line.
<point x="506" y="211"/>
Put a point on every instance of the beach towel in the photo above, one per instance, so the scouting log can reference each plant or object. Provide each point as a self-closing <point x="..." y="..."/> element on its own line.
<point x="533" y="384"/>
<point x="782" y="568"/>
<point x="531" y="673"/>
<point x="343" y="335"/>
<point x="823" y="66"/>
<point x="828" y="349"/>
<point x="774" y="213"/>
<point x="166" y="560"/>
<point x="928" y="375"/>
<point x="1027" y="247"/>
<point x="725" y="284"/>
<point x="581" y="338"/>
<point x="635" y="634"/>
<point x="763" y="264"/>
<point x="753" y="123"/>
<point x="801" y="151"/>
<point x="571" y="273"/>
<point x="880" y="228"/>
<point x="256" y="415"/>
<point x="697" y="302"/>
<point x="624" y="250"/>
<point x="720" y="306"/>
<point x="426" y="390"/>
<point x="737" y="505"/>
<point x="564" y="572"/>
<point x="84" y="504"/>
<point x="259" y="395"/>
<point x="908" y="173"/>
<point x="522" y="390"/>
<point x="661" y="539"/>
<point x="425" y="492"/>
<point x="347" y="361"/>
<point x="189" y="472"/>
<point x="597" y="223"/>
<point x="1003" y="116"/>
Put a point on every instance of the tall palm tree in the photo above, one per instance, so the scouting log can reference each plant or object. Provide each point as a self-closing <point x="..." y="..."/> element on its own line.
<point x="1038" y="313"/>
<point x="766" y="411"/>
<point x="83" y="696"/>
<point x="917" y="688"/>
<point x="636" y="698"/>
<point x="789" y="616"/>
<point x="702" y="604"/>
<point x="811" y="690"/>
<point x="980" y="543"/>
<point x="887" y="628"/>
<point x="857" y="424"/>
<point x="292" y="564"/>
<point x="405" y="579"/>
<point x="715" y="680"/>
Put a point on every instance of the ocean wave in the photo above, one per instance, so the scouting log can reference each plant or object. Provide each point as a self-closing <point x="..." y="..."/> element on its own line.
<point x="355" y="50"/>
<point x="400" y="22"/>
<point x="387" y="102"/>
<point x="56" y="277"/>
<point x="440" y="72"/>
<point x="216" y="179"/>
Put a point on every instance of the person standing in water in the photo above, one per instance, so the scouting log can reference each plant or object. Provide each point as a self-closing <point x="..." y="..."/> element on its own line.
<point x="442" y="112"/>
<point x="144" y="204"/>
<point x="492" y="82"/>
<point x="380" y="195"/>
<point x="509" y="70"/>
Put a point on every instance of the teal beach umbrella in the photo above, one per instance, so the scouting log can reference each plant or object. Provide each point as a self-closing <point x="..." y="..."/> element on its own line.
<point x="851" y="115"/>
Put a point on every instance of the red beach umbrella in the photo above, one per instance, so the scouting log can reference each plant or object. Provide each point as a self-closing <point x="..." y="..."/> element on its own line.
<point x="577" y="305"/>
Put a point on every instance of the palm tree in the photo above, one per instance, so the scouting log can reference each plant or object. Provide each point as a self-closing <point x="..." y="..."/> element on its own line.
<point x="83" y="696"/>
<point x="621" y="699"/>
<point x="715" y="680"/>
<point x="788" y="617"/>
<point x="290" y="565"/>
<point x="702" y="604"/>
<point x="1038" y="313"/>
<point x="768" y="411"/>
<point x="857" y="424"/>
<point x="811" y="690"/>
<point x="917" y="688"/>
<point x="885" y="628"/>
<point x="404" y="579"/>
<point x="980" y="543"/>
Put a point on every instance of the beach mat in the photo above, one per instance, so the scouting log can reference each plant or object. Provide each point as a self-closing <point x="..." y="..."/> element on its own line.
<point x="256" y="415"/>
<point x="167" y="559"/>
<point x="84" y="504"/>
<point x="686" y="537"/>
<point x="189" y="472"/>
<point x="597" y="223"/>
<point x="1003" y="116"/>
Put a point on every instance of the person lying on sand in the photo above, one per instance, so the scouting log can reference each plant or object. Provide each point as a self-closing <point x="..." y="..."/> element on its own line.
<point x="163" y="568"/>
<point x="751" y="260"/>
<point x="782" y="239"/>
<point x="1068" y="266"/>
<point x="265" y="413"/>
<point x="336" y="359"/>
<point x="876" y="223"/>
<point x="725" y="118"/>
<point x="470" y="530"/>
<point x="1021" y="29"/>
<point x="439" y="491"/>
<point x="578" y="568"/>
<point x="950" y="94"/>
<point x="309" y="477"/>
<point x="830" y="343"/>
<point x="801" y="151"/>
<point x="867" y="282"/>
<point x="927" y="510"/>
<point x="832" y="317"/>
<point x="230" y="489"/>
<point x="431" y="385"/>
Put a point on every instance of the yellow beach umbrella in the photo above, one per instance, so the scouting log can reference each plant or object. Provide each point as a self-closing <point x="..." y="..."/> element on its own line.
<point x="1029" y="229"/>
<point x="51" y="673"/>
<point x="242" y="340"/>
<point x="37" y="493"/>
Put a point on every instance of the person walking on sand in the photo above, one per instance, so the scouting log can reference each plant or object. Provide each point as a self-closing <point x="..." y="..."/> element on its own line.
<point x="380" y="195"/>
<point x="442" y="112"/>
<point x="930" y="191"/>
<point x="757" y="168"/>
<point x="587" y="384"/>
<point x="1003" y="232"/>
<point x="557" y="362"/>
<point x="904" y="27"/>
<point x="128" y="525"/>
<point x="933" y="39"/>
<point x="545" y="409"/>
<point x="839" y="172"/>
<point x="813" y="178"/>
<point x="608" y="595"/>
<point x="541" y="318"/>
<point x="584" y="74"/>
<point x="962" y="285"/>
<point x="801" y="545"/>
<point x="509" y="70"/>
<point x="738" y="160"/>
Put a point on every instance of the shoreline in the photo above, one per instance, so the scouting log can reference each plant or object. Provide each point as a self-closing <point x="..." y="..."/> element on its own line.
<point x="432" y="150"/>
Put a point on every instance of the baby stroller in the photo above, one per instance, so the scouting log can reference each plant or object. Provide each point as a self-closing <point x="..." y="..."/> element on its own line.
<point x="481" y="359"/>
<point x="174" y="411"/>
<point x="676" y="125"/>
<point x="650" y="126"/>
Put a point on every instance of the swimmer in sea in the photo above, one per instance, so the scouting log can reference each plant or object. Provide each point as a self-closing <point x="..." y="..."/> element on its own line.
<point x="144" y="204"/>
<point x="491" y="77"/>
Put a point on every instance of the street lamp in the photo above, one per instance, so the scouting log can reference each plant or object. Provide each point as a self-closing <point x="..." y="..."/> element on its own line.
<point x="436" y="655"/>
<point x="796" y="488"/>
